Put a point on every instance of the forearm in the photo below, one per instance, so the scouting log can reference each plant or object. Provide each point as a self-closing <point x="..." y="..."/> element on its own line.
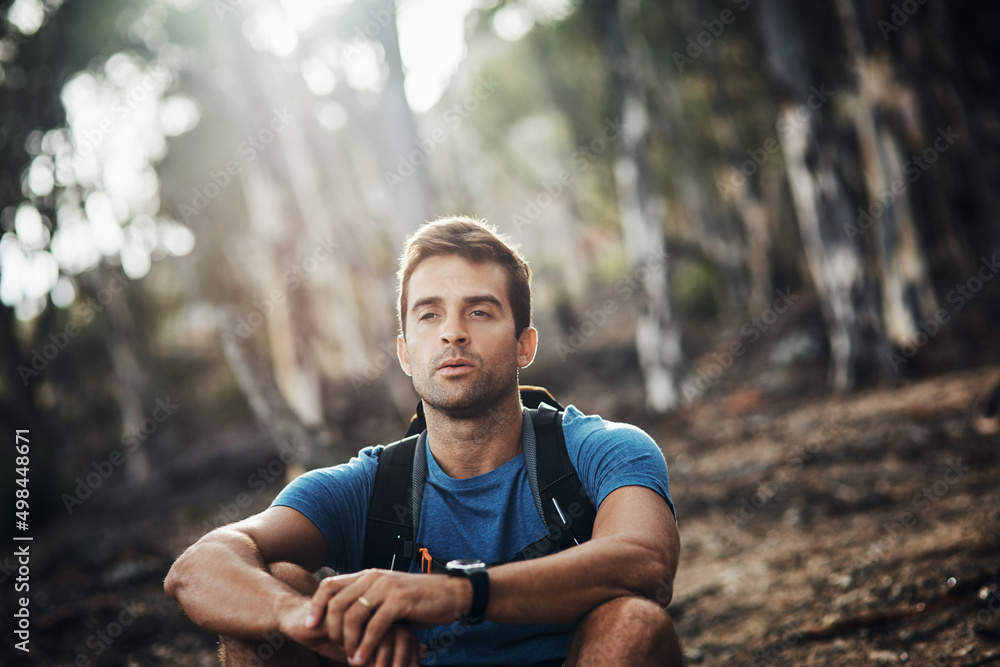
<point x="563" y="587"/>
<point x="223" y="584"/>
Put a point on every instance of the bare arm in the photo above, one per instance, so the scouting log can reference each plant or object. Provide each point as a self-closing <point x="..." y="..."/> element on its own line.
<point x="634" y="551"/>
<point x="222" y="581"/>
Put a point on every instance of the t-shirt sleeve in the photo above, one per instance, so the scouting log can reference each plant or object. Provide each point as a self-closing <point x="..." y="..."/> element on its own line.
<point x="336" y="500"/>
<point x="609" y="455"/>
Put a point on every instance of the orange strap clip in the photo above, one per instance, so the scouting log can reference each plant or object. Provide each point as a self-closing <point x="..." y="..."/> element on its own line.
<point x="425" y="560"/>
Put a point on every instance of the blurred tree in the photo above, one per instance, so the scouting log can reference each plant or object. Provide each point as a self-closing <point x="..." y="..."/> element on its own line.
<point x="824" y="204"/>
<point x="882" y="104"/>
<point x="642" y="208"/>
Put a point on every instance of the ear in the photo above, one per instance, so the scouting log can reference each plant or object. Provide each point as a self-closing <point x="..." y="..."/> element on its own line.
<point x="403" y="355"/>
<point x="527" y="345"/>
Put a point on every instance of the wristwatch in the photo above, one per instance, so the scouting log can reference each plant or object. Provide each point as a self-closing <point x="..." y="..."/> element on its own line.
<point x="475" y="572"/>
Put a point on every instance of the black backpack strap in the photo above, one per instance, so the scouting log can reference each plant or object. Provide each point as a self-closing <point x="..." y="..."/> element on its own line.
<point x="394" y="505"/>
<point x="562" y="502"/>
<point x="559" y="494"/>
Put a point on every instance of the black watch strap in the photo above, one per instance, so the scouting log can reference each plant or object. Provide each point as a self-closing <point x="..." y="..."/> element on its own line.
<point x="475" y="572"/>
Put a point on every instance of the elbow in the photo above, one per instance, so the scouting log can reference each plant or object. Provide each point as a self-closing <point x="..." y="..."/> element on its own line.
<point x="662" y="583"/>
<point x="170" y="585"/>
<point x="173" y="583"/>
<point x="187" y="566"/>
<point x="657" y="578"/>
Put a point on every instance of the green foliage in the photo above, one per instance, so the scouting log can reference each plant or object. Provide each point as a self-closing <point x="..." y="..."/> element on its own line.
<point x="694" y="289"/>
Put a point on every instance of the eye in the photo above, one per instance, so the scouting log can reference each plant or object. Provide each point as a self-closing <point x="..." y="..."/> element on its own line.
<point x="480" y="313"/>
<point x="426" y="316"/>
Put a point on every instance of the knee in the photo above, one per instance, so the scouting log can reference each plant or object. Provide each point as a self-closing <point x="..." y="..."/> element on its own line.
<point x="626" y="631"/>
<point x="299" y="578"/>
<point x="642" y="620"/>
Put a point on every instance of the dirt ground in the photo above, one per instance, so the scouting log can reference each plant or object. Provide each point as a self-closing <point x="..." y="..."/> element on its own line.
<point x="854" y="531"/>
<point x="861" y="529"/>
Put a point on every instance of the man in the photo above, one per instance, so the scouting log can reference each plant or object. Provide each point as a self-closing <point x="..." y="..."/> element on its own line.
<point x="465" y="321"/>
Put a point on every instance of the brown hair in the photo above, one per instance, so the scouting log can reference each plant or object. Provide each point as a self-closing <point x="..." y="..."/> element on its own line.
<point x="475" y="241"/>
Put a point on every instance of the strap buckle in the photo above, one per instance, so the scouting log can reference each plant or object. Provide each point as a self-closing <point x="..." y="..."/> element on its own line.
<point x="426" y="561"/>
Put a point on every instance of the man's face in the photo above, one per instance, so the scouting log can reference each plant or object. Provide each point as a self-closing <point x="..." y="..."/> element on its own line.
<point x="459" y="345"/>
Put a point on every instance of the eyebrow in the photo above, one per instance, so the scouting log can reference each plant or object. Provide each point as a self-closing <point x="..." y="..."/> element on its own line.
<point x="469" y="300"/>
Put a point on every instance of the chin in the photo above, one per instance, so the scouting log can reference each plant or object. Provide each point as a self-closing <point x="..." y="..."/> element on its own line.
<point x="462" y="402"/>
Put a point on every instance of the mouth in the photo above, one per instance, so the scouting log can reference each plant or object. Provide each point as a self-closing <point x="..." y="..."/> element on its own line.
<point x="453" y="366"/>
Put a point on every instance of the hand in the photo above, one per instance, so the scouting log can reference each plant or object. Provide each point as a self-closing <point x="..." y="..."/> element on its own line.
<point x="398" y="647"/>
<point x="339" y="611"/>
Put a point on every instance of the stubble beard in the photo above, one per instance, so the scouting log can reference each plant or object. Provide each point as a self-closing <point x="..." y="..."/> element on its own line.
<point x="485" y="393"/>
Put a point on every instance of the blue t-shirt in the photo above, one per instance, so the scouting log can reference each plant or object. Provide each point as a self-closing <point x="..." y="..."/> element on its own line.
<point x="489" y="517"/>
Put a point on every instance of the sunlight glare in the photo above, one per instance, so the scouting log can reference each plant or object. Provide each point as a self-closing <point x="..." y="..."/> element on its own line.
<point x="512" y="23"/>
<point x="64" y="293"/>
<point x="27" y="16"/>
<point x="432" y="44"/>
<point x="179" y="114"/>
<point x="31" y="231"/>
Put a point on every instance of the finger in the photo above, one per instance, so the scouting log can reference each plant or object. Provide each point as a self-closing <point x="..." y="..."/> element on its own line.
<point x="327" y="588"/>
<point x="405" y="653"/>
<point x="356" y="618"/>
<point x="378" y="626"/>
<point x="344" y="610"/>
<point x="384" y="652"/>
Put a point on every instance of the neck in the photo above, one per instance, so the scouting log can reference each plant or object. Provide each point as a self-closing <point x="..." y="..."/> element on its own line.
<point x="470" y="446"/>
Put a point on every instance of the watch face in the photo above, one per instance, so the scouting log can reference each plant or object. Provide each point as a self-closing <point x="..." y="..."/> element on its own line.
<point x="465" y="564"/>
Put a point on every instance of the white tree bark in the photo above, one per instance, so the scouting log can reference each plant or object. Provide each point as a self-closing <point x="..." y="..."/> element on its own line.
<point x="642" y="210"/>
<point x="823" y="206"/>
<point x="907" y="292"/>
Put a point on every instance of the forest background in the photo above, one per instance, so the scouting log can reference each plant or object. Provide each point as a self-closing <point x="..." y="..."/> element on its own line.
<point x="764" y="230"/>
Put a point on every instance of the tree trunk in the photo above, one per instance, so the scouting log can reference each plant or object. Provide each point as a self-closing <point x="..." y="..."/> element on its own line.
<point x="658" y="334"/>
<point x="308" y="252"/>
<point x="741" y="196"/>
<point x="394" y="131"/>
<point x="823" y="206"/>
<point x="130" y="377"/>
<point x="252" y="369"/>
<point x="907" y="293"/>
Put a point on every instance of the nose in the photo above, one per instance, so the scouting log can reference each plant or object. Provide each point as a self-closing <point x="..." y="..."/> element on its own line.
<point x="454" y="332"/>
